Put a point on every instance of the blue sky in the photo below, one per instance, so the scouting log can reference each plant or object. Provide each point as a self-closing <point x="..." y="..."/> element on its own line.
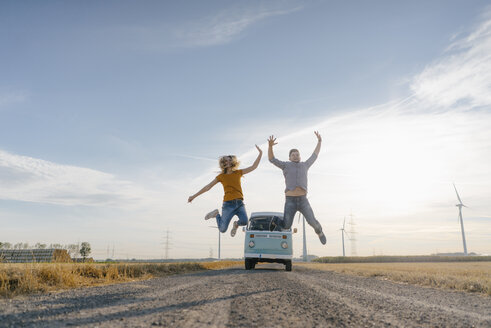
<point x="113" y="113"/>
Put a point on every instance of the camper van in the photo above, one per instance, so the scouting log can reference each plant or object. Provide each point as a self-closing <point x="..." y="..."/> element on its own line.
<point x="266" y="242"/>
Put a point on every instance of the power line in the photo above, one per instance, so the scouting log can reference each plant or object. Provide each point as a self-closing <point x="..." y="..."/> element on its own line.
<point x="352" y="234"/>
<point x="167" y="244"/>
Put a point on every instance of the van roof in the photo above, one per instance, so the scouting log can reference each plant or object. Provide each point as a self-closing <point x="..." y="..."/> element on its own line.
<point x="256" y="214"/>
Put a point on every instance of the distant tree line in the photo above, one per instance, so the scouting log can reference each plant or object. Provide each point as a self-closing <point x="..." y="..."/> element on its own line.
<point x="74" y="250"/>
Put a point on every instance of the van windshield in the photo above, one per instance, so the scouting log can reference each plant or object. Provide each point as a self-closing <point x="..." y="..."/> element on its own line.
<point x="263" y="223"/>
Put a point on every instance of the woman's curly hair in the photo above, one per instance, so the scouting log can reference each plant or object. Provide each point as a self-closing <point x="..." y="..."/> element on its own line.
<point x="222" y="161"/>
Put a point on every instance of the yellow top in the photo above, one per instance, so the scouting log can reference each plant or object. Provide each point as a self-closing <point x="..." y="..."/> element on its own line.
<point x="231" y="185"/>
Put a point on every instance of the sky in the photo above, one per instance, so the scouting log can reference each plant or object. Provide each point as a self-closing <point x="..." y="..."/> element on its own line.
<point x="112" y="113"/>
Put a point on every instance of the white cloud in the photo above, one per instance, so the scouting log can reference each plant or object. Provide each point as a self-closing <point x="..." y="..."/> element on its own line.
<point x="199" y="158"/>
<point x="216" y="29"/>
<point x="463" y="74"/>
<point x="11" y="97"/>
<point x="34" y="180"/>
<point x="224" y="27"/>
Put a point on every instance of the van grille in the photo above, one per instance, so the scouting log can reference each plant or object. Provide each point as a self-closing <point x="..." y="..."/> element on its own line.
<point x="262" y="235"/>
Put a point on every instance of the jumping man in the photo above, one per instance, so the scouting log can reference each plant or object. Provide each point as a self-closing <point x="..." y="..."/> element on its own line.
<point x="295" y="173"/>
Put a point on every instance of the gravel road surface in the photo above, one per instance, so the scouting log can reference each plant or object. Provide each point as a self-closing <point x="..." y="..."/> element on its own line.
<point x="265" y="297"/>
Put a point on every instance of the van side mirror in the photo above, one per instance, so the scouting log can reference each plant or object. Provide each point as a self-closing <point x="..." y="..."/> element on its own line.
<point x="243" y="229"/>
<point x="295" y="230"/>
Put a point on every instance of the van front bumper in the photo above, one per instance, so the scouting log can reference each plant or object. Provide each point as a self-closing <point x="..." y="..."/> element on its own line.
<point x="267" y="256"/>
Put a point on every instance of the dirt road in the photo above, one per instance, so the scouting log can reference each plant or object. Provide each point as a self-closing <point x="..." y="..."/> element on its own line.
<point x="265" y="297"/>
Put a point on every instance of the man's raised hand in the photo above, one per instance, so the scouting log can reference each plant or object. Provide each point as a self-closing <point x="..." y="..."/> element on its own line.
<point x="317" y="134"/>
<point x="272" y="141"/>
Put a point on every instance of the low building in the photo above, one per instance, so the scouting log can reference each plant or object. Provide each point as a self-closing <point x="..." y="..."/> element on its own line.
<point x="34" y="255"/>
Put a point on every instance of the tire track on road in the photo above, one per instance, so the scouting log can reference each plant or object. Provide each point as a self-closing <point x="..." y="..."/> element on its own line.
<point x="397" y="304"/>
<point x="283" y="302"/>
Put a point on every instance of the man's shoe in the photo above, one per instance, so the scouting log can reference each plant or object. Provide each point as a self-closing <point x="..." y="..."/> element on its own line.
<point x="234" y="229"/>
<point x="275" y="224"/>
<point x="212" y="214"/>
<point x="322" y="237"/>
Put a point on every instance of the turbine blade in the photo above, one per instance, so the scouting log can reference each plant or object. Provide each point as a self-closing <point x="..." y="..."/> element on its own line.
<point x="344" y="221"/>
<point x="457" y="194"/>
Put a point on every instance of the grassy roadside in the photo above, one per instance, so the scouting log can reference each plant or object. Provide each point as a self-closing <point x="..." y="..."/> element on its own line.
<point x="463" y="276"/>
<point x="408" y="258"/>
<point x="29" y="278"/>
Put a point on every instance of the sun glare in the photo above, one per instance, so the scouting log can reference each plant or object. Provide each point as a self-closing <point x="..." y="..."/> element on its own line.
<point x="396" y="163"/>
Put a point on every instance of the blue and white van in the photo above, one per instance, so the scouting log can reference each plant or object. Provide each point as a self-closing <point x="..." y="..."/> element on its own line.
<point x="265" y="242"/>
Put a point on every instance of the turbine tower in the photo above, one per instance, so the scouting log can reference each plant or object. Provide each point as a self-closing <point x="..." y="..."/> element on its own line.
<point x="343" y="231"/>
<point x="304" y="238"/>
<point x="219" y="246"/>
<point x="460" y="205"/>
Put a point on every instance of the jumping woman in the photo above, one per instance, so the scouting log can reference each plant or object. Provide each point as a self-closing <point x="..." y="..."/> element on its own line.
<point x="233" y="200"/>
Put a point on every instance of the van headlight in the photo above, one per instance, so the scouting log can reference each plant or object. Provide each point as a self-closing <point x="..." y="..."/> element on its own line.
<point x="284" y="245"/>
<point x="251" y="244"/>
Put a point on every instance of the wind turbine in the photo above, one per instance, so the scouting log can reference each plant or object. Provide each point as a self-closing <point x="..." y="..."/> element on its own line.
<point x="343" y="231"/>
<point x="460" y="205"/>
<point x="218" y="241"/>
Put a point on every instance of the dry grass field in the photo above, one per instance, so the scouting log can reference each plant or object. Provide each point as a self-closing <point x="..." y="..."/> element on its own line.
<point x="463" y="276"/>
<point x="28" y="278"/>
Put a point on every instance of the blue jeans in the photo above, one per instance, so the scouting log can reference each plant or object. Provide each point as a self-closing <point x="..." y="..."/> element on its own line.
<point x="229" y="209"/>
<point x="299" y="203"/>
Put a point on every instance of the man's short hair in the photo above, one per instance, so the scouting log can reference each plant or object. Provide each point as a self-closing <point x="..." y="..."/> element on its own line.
<point x="292" y="150"/>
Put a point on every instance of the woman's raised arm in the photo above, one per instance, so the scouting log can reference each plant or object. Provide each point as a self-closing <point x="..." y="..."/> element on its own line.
<point x="255" y="164"/>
